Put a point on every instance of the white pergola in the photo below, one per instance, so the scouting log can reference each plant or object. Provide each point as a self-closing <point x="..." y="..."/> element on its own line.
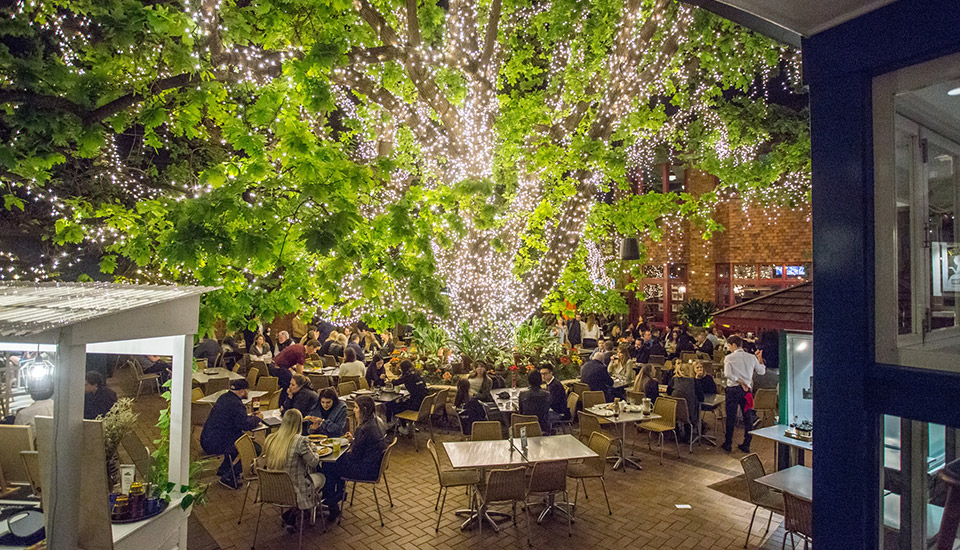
<point x="73" y="319"/>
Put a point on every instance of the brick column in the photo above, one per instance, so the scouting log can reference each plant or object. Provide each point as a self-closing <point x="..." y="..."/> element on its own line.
<point x="701" y="279"/>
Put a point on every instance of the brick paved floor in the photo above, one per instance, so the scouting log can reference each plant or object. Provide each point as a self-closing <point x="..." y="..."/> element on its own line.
<point x="644" y="506"/>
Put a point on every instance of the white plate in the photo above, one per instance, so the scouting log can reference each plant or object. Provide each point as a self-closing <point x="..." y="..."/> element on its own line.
<point x="602" y="412"/>
<point x="331" y="440"/>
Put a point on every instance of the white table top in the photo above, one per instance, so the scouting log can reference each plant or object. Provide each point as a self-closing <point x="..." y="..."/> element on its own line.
<point x="327" y="371"/>
<point x="491" y="454"/>
<point x="712" y="401"/>
<point x="212" y="398"/>
<point x="202" y="377"/>
<point x="797" y="480"/>
<point x="776" y="433"/>
<point x="624" y="416"/>
<point x="507" y="405"/>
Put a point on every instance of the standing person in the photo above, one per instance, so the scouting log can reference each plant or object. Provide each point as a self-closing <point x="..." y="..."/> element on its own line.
<point x="376" y="374"/>
<point x="227" y="421"/>
<point x="288" y="360"/>
<point x="300" y="395"/>
<point x="739" y="368"/>
<point x="560" y="331"/>
<point x="361" y="460"/>
<point x="98" y="399"/>
<point x="573" y="331"/>
<point x="558" y="394"/>
<point x="590" y="331"/>
<point x="293" y="453"/>
<point x="535" y="401"/>
<point x="329" y="415"/>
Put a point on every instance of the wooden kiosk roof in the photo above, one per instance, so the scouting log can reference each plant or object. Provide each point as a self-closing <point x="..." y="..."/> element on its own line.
<point x="787" y="309"/>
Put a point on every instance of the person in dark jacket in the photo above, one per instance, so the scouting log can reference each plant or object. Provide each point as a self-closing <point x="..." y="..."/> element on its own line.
<point x="641" y="348"/>
<point x="705" y="383"/>
<point x="362" y="459"/>
<point x="289" y="360"/>
<point x="356" y="347"/>
<point x="227" y="421"/>
<point x="469" y="409"/>
<point x="685" y="342"/>
<point x="376" y="373"/>
<point x="704" y="345"/>
<point x="558" y="394"/>
<point x="300" y="395"/>
<point x="535" y="401"/>
<point x="573" y="332"/>
<point x="594" y="374"/>
<point x="208" y="349"/>
<point x="647" y="383"/>
<point x="656" y="347"/>
<point x="414" y="384"/>
<point x="328" y="416"/>
<point x="98" y="399"/>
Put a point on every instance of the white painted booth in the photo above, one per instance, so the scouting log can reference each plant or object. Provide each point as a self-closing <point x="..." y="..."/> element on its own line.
<point x="71" y="320"/>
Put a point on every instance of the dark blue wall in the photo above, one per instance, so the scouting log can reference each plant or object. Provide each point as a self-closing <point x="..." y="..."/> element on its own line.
<point x="852" y="391"/>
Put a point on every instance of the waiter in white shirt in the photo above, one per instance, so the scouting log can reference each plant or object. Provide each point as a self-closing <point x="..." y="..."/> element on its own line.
<point x="739" y="368"/>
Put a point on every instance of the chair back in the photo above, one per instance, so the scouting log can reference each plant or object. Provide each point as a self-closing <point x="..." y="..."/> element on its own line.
<point x="260" y="366"/>
<point x="318" y="381"/>
<point x="216" y="384"/>
<point x="432" y="447"/>
<point x="199" y="413"/>
<point x="440" y="403"/>
<point x="657" y="359"/>
<point x="247" y="453"/>
<point x="276" y="487"/>
<point x="579" y="387"/>
<point x="548" y="477"/>
<point x="15" y="439"/>
<point x="588" y="424"/>
<point x="522" y="419"/>
<point x="635" y="397"/>
<point x="797" y="514"/>
<point x="268" y="383"/>
<point x="31" y="464"/>
<point x="426" y="407"/>
<point x="196" y="394"/>
<point x="533" y="429"/>
<point x="753" y="470"/>
<point x="363" y="384"/>
<point x="252" y="375"/>
<point x="486" y="430"/>
<point x="137" y="453"/>
<point x="346" y="388"/>
<point x="765" y="398"/>
<point x="718" y="355"/>
<point x="572" y="401"/>
<point x="687" y="356"/>
<point x="329" y="361"/>
<point x="667" y="408"/>
<point x="355" y="380"/>
<point x="599" y="443"/>
<point x="592" y="398"/>
<point x="201" y="364"/>
<point x="683" y="413"/>
<point x="273" y="400"/>
<point x="505" y="485"/>
<point x="385" y="459"/>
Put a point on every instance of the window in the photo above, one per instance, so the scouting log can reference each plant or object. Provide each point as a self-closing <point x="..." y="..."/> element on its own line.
<point x="917" y="149"/>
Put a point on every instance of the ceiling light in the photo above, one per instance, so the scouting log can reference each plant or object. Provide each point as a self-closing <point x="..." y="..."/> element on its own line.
<point x="955" y="91"/>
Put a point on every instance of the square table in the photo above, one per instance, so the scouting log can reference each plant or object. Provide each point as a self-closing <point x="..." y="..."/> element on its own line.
<point x="789" y="449"/>
<point x="797" y="480"/>
<point x="202" y="376"/>
<point x="510" y="404"/>
<point x="624" y="419"/>
<point x="212" y="398"/>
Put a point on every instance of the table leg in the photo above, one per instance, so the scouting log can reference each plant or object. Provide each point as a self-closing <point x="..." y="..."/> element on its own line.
<point x="554" y="506"/>
<point x="622" y="461"/>
<point x="783" y="456"/>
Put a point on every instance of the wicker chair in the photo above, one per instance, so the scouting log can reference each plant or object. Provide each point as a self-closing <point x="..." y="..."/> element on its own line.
<point x="797" y="519"/>
<point x="573" y="400"/>
<point x="657" y="359"/>
<point x="578" y="388"/>
<point x="508" y="485"/>
<point x="329" y="361"/>
<point x="268" y="384"/>
<point x="533" y="429"/>
<point x="592" y="398"/>
<point x="252" y="375"/>
<point x="440" y="406"/>
<point x="522" y="419"/>
<point x="765" y="404"/>
<point x="683" y="417"/>
<point x="198" y="416"/>
<point x="346" y="388"/>
<point x="760" y="495"/>
<point x="277" y="489"/>
<point x="667" y="408"/>
<point x="421" y="416"/>
<point x="384" y="463"/>
<point x="247" y="455"/>
<point x="549" y="479"/>
<point x="141" y="377"/>
<point x="318" y="381"/>
<point x="486" y="430"/>
<point x="196" y="394"/>
<point x="593" y="467"/>
<point x="449" y="478"/>
<point x="355" y="380"/>
<point x="216" y="384"/>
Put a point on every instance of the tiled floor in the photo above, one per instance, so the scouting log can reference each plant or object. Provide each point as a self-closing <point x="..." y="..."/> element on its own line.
<point x="644" y="507"/>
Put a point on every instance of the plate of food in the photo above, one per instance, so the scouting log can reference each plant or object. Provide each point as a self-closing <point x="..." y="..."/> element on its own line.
<point x="324" y="451"/>
<point x="316" y="438"/>
<point x="363" y="392"/>
<point x="330" y="441"/>
<point x="211" y="371"/>
<point x="602" y="411"/>
<point x="632" y="408"/>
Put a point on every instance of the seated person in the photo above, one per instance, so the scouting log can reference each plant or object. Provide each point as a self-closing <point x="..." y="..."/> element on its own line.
<point x="351" y="365"/>
<point x="646" y="383"/>
<point x="260" y="351"/>
<point x="227" y="421"/>
<point x="480" y="382"/>
<point x="535" y="401"/>
<point x="705" y="383"/>
<point x="376" y="374"/>
<point x="329" y="416"/>
<point x="41" y="391"/>
<point x="300" y="395"/>
<point x="704" y="345"/>
<point x="361" y="460"/>
<point x="622" y="365"/>
<point x="558" y="394"/>
<point x="208" y="349"/>
<point x="666" y="373"/>
<point x="594" y="374"/>
<point x="411" y="380"/>
<point x="98" y="398"/>
<point x="469" y="408"/>
<point x="293" y="453"/>
<point x="683" y="385"/>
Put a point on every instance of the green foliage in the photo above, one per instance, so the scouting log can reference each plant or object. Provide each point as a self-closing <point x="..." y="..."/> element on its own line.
<point x="475" y="344"/>
<point x="195" y="493"/>
<point x="533" y="336"/>
<point x="577" y="287"/>
<point x="428" y="339"/>
<point x="696" y="312"/>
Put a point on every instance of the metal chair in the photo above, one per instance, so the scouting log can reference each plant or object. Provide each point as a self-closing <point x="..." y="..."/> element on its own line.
<point x="384" y="463"/>
<point x="593" y="398"/>
<point x="486" y="430"/>
<point x="142" y="377"/>
<point x="355" y="380"/>
<point x="439" y="406"/>
<point x="252" y="375"/>
<point x="683" y="417"/>
<point x="578" y="388"/>
<point x="422" y="416"/>
<point x="319" y="381"/>
<point x="593" y="467"/>
<point x="667" y="408"/>
<point x="329" y="361"/>
<point x="449" y="478"/>
<point x="198" y="416"/>
<point x="216" y="384"/>
<point x="657" y="359"/>
<point x="550" y="479"/>
<point x="508" y="485"/>
<point x="247" y="455"/>
<point x="797" y="518"/>
<point x="522" y="419"/>
<point x="760" y="495"/>
<point x="277" y="489"/>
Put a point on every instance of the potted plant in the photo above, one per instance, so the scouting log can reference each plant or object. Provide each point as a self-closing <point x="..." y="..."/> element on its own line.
<point x="117" y="423"/>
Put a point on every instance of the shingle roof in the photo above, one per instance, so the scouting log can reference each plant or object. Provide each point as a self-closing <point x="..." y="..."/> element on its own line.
<point x="791" y="306"/>
<point x="31" y="308"/>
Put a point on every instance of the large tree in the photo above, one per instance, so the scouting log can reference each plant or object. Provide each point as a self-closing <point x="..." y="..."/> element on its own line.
<point x="378" y="157"/>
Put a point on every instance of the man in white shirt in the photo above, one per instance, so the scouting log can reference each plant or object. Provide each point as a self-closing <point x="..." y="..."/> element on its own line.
<point x="41" y="391"/>
<point x="739" y="368"/>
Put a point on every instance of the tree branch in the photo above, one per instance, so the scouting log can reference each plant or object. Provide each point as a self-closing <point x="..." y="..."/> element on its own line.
<point x="375" y="54"/>
<point x="113" y="107"/>
<point x="490" y="40"/>
<point x="413" y="24"/>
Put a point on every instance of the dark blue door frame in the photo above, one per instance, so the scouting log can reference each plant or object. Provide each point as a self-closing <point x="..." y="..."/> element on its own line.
<point x="852" y="390"/>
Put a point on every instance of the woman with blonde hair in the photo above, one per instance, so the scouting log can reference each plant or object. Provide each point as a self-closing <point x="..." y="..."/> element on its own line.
<point x="622" y="365"/>
<point x="293" y="453"/>
<point x="646" y="382"/>
<point x="590" y="332"/>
